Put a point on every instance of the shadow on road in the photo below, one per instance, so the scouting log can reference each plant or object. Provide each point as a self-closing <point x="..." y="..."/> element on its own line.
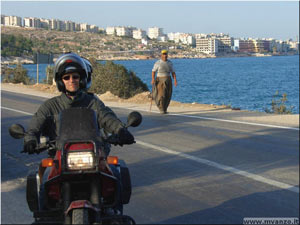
<point x="234" y="210"/>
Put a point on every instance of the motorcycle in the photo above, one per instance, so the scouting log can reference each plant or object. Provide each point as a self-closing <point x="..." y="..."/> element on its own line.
<point x="83" y="184"/>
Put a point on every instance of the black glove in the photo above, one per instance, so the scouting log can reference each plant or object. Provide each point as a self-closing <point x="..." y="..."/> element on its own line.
<point x="30" y="146"/>
<point x="125" y="137"/>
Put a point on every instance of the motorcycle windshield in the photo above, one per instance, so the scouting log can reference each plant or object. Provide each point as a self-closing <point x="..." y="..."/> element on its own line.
<point x="78" y="124"/>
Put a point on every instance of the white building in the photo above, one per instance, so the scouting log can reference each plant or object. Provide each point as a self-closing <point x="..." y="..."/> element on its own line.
<point x="144" y="41"/>
<point x="139" y="34"/>
<point x="184" y="38"/>
<point x="84" y="27"/>
<point x="32" y="22"/>
<point x="207" y="45"/>
<point x="110" y="30"/>
<point x="155" y="32"/>
<point x="123" y="31"/>
<point x="162" y="38"/>
<point x="11" y="21"/>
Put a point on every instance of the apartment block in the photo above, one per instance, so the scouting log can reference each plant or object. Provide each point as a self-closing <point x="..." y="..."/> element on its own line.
<point x="225" y="44"/>
<point x="45" y="23"/>
<point x="85" y="27"/>
<point x="123" y="31"/>
<point x="184" y="38"/>
<point x="252" y="45"/>
<point x="110" y="30"/>
<point x="139" y="34"/>
<point x="2" y="19"/>
<point x="70" y="26"/>
<point x="32" y="22"/>
<point x="207" y="45"/>
<point x="56" y="24"/>
<point x="11" y="21"/>
<point x="155" y="32"/>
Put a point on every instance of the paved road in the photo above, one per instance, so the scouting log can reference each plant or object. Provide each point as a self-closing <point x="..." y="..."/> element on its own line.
<point x="183" y="169"/>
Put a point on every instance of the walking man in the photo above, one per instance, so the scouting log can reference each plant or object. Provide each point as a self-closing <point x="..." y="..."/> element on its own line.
<point x="162" y="85"/>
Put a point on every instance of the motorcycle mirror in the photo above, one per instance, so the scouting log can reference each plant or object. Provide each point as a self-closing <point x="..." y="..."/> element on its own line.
<point x="17" y="131"/>
<point x="134" y="119"/>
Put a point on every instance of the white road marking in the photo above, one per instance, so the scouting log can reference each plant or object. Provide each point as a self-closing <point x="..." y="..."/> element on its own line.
<point x="207" y="162"/>
<point x="15" y="110"/>
<point x="12" y="185"/>
<point x="222" y="167"/>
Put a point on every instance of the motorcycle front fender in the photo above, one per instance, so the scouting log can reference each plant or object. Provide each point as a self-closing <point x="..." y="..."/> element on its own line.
<point x="79" y="204"/>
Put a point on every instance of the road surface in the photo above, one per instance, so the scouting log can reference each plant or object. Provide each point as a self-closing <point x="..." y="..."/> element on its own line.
<point x="183" y="169"/>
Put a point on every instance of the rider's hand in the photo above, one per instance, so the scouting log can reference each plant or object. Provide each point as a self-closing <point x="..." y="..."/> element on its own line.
<point x="125" y="137"/>
<point x="30" y="146"/>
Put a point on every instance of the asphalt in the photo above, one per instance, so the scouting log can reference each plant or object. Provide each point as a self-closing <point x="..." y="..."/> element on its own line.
<point x="187" y="167"/>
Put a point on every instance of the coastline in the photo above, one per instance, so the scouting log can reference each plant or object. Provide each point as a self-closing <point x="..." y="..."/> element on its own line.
<point x="12" y="60"/>
<point x="141" y="102"/>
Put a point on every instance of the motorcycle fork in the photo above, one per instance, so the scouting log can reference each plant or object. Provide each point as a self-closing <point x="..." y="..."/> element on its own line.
<point x="66" y="194"/>
<point x="95" y="197"/>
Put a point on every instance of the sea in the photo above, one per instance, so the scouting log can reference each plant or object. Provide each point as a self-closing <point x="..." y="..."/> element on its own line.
<point x="248" y="83"/>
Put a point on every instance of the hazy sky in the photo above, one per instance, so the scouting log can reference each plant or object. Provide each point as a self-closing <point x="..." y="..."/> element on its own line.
<point x="257" y="19"/>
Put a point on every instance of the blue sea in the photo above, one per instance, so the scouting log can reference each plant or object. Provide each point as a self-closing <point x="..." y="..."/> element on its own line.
<point x="248" y="83"/>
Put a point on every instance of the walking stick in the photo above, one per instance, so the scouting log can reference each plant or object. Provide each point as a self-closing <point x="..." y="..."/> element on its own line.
<point x="151" y="98"/>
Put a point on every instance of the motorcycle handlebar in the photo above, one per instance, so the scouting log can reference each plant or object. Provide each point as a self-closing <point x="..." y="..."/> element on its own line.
<point x="114" y="140"/>
<point x="43" y="147"/>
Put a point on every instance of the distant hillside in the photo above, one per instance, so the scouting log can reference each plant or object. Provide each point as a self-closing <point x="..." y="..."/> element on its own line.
<point x="84" y="43"/>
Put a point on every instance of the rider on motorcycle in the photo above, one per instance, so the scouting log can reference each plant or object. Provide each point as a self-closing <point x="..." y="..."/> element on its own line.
<point x="73" y="77"/>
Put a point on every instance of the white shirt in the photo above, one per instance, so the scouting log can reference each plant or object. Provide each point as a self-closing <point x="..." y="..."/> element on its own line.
<point x="163" y="68"/>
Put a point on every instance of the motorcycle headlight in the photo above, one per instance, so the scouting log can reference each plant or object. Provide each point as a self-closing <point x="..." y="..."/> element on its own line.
<point x="80" y="160"/>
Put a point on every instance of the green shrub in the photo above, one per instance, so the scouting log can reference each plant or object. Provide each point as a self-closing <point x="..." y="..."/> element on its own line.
<point x="116" y="79"/>
<point x="15" y="45"/>
<point x="16" y="75"/>
<point x="278" y="105"/>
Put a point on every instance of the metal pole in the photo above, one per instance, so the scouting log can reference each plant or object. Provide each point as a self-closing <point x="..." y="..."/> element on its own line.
<point x="37" y="68"/>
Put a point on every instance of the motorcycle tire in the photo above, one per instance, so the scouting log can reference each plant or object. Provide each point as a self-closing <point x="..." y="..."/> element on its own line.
<point x="80" y="216"/>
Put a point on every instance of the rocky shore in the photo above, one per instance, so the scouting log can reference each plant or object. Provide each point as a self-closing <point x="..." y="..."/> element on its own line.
<point x="29" y="60"/>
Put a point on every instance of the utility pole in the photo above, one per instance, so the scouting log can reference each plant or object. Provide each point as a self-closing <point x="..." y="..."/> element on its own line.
<point x="37" y="67"/>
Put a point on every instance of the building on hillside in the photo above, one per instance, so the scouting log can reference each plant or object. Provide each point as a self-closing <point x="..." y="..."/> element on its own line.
<point x="123" y="31"/>
<point x="14" y="21"/>
<point x="32" y="22"/>
<point x="110" y="30"/>
<point x="45" y="23"/>
<point x="155" y="32"/>
<point x="162" y="38"/>
<point x="3" y="19"/>
<point x="144" y="41"/>
<point x="70" y="26"/>
<point x="56" y="24"/>
<point x="139" y="34"/>
<point x="94" y="29"/>
<point x="84" y="27"/>
<point x="183" y="38"/>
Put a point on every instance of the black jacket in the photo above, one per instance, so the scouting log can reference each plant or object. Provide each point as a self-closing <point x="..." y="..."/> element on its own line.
<point x="45" y="120"/>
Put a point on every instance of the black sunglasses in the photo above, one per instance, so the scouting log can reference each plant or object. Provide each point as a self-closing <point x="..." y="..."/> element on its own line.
<point x="75" y="77"/>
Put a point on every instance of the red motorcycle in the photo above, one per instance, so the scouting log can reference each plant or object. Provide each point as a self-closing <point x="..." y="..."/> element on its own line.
<point x="83" y="185"/>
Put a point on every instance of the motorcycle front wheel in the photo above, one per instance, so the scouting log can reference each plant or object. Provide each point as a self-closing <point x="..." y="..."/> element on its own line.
<point x="80" y="216"/>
